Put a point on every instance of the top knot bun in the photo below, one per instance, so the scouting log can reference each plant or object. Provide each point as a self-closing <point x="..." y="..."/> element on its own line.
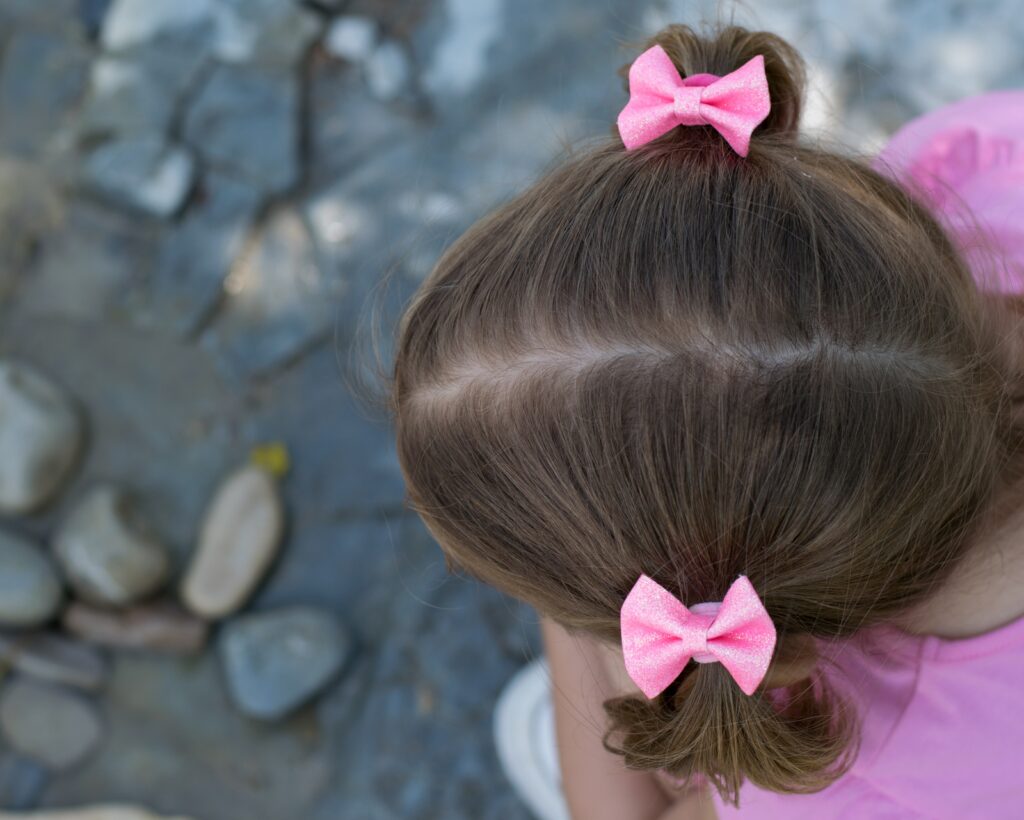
<point x="723" y="51"/>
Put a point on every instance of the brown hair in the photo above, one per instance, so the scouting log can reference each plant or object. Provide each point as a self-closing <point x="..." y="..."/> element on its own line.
<point x="679" y="362"/>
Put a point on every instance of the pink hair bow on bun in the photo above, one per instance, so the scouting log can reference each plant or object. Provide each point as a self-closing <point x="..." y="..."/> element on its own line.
<point x="660" y="635"/>
<point x="659" y="100"/>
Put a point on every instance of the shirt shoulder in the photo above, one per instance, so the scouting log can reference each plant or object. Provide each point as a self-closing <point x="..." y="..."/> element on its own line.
<point x="966" y="161"/>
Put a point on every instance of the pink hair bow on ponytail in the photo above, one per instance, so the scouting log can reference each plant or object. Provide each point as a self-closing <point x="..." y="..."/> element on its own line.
<point x="659" y="100"/>
<point x="660" y="635"/>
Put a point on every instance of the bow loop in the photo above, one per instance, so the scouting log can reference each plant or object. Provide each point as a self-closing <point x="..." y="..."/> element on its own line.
<point x="660" y="635"/>
<point x="659" y="100"/>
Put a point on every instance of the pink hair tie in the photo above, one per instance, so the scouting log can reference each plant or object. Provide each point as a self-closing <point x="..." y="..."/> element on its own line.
<point x="659" y="100"/>
<point x="660" y="635"/>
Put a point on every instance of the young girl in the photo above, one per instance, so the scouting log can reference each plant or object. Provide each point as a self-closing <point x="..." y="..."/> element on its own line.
<point x="736" y="414"/>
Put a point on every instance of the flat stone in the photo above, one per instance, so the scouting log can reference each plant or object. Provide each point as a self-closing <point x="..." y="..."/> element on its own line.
<point x="318" y="442"/>
<point x="161" y="626"/>
<point x="352" y="37"/>
<point x="194" y="258"/>
<point x="137" y="92"/>
<point x="108" y="551"/>
<point x="236" y="103"/>
<point x="239" y="538"/>
<point x="275" y="661"/>
<point x="130" y="23"/>
<point x="277" y="300"/>
<point x="106" y="812"/>
<point x="48" y="656"/>
<point x="388" y="71"/>
<point x="51" y="725"/>
<point x="30" y="589"/>
<point x="41" y="434"/>
<point x="42" y="78"/>
<point x="264" y="31"/>
<point x="142" y="172"/>
<point x="107" y="249"/>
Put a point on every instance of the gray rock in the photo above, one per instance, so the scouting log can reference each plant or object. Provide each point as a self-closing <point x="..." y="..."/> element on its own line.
<point x="51" y="657"/>
<point x="137" y="92"/>
<point x="42" y="78"/>
<point x="352" y="37"/>
<point x="133" y="22"/>
<point x="40" y="437"/>
<point x="277" y="299"/>
<point x="388" y="71"/>
<point x="30" y="589"/>
<point x="142" y="172"/>
<point x="276" y="661"/>
<point x="108" y="551"/>
<point x="48" y="724"/>
<point x="195" y="257"/>
<point x="264" y="31"/>
<point x="245" y="120"/>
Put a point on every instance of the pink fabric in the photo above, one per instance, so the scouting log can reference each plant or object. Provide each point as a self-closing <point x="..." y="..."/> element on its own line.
<point x="967" y="161"/>
<point x="659" y="100"/>
<point x="660" y="635"/>
<point x="942" y="731"/>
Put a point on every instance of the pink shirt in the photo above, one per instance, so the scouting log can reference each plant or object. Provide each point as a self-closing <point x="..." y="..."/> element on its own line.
<point x="943" y="720"/>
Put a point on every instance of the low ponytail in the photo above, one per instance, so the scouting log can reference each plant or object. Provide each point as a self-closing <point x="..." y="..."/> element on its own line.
<point x="791" y="735"/>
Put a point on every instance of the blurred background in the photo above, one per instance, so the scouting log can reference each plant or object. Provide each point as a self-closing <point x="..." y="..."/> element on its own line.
<point x="213" y="602"/>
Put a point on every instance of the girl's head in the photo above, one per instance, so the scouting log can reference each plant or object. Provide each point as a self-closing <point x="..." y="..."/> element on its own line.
<point x="680" y="362"/>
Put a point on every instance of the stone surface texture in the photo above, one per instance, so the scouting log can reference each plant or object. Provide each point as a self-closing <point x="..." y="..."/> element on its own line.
<point x="203" y="205"/>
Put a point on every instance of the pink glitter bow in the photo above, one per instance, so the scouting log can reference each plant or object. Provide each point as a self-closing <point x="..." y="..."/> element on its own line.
<point x="660" y="635"/>
<point x="659" y="100"/>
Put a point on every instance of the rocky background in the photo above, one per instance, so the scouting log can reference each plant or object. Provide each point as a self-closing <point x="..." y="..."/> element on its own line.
<point x="213" y="603"/>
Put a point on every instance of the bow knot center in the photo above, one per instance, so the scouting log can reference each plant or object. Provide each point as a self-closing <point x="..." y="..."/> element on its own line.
<point x="686" y="105"/>
<point x="706" y="614"/>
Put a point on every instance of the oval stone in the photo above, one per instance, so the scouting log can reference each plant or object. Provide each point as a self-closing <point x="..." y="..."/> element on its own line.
<point x="48" y="724"/>
<point x="239" y="538"/>
<point x="275" y="661"/>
